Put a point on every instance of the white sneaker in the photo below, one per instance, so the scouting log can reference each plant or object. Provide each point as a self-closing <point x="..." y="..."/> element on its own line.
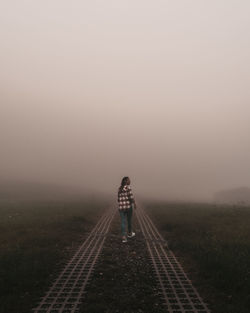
<point x="124" y="240"/>
<point x="132" y="235"/>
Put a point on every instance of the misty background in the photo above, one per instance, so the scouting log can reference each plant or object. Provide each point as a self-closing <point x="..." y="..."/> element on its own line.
<point x="156" y="90"/>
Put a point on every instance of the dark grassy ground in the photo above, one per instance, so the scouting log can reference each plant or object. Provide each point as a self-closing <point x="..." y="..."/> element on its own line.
<point x="213" y="244"/>
<point x="37" y="237"/>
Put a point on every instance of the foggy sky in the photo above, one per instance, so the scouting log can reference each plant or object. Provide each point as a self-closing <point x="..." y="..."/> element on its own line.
<point x="157" y="90"/>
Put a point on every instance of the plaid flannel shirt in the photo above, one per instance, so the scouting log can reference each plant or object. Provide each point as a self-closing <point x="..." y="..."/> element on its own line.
<point x="125" y="198"/>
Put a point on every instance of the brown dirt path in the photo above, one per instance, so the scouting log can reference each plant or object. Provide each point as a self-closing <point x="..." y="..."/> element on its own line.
<point x="123" y="280"/>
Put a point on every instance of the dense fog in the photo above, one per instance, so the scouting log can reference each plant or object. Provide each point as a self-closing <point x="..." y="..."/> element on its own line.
<point x="92" y="91"/>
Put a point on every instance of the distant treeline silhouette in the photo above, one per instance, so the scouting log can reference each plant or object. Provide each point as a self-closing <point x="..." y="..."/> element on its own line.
<point x="239" y="195"/>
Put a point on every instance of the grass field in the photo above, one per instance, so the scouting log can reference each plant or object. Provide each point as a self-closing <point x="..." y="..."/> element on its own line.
<point x="37" y="237"/>
<point x="213" y="244"/>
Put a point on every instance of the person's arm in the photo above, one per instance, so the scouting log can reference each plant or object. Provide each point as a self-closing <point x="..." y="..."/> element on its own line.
<point x="131" y="197"/>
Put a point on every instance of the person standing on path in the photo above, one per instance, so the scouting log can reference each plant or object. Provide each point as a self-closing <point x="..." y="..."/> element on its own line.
<point x="126" y="202"/>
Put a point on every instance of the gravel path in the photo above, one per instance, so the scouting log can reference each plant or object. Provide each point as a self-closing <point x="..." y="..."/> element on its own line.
<point x="123" y="280"/>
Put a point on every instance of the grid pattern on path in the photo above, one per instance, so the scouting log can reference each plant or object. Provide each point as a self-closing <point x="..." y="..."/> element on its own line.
<point x="178" y="293"/>
<point x="66" y="293"/>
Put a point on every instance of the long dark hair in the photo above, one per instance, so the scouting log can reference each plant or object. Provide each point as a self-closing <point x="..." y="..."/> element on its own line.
<point x="123" y="183"/>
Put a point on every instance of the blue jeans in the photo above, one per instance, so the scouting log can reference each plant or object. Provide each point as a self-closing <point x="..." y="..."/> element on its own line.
<point x="126" y="215"/>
